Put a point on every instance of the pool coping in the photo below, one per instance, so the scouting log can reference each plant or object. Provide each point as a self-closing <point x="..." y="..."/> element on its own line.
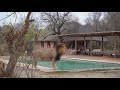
<point x="92" y="60"/>
<point x="84" y="70"/>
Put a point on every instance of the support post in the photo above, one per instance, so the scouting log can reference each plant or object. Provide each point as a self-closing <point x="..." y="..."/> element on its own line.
<point x="115" y="46"/>
<point x="85" y="44"/>
<point x="102" y="45"/>
<point x="91" y="45"/>
<point x="75" y="45"/>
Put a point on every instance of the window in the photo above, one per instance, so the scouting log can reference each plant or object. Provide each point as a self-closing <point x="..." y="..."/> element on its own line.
<point x="48" y="44"/>
<point x="42" y="43"/>
<point x="54" y="44"/>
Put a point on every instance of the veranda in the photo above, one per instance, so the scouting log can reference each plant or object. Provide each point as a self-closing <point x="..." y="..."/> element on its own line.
<point x="115" y="34"/>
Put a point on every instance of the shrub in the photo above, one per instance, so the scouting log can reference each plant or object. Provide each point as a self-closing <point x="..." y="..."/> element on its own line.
<point x="3" y="50"/>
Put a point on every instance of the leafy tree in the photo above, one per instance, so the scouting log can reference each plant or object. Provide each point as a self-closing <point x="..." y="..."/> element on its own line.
<point x="16" y="44"/>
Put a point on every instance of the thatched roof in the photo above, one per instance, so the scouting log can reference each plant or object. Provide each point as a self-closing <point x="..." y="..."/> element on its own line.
<point x="49" y="38"/>
<point x="98" y="34"/>
<point x="86" y="38"/>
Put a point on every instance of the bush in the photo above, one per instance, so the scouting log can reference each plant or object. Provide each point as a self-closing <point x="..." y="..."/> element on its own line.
<point x="3" y="50"/>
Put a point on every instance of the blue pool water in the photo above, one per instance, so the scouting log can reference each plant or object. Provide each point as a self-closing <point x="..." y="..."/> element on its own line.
<point x="71" y="64"/>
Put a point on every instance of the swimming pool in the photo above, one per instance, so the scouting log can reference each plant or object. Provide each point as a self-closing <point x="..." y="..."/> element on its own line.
<point x="75" y="64"/>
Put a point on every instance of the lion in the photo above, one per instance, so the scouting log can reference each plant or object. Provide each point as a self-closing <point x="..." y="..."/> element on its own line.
<point x="53" y="55"/>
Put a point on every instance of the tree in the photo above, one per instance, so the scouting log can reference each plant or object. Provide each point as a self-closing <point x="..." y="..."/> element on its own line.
<point x="16" y="44"/>
<point x="88" y="21"/>
<point x="31" y="34"/>
<point x="111" y="22"/>
<point x="43" y="33"/>
<point x="94" y="19"/>
<point x="56" y="22"/>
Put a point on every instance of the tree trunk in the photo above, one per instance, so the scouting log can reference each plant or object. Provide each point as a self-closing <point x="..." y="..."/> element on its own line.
<point x="11" y="65"/>
<point x="15" y="53"/>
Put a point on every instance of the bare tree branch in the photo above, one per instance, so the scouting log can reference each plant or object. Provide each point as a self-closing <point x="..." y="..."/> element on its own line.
<point x="56" y="21"/>
<point x="15" y="17"/>
<point x="7" y="16"/>
<point x="63" y="30"/>
<point x="48" y="35"/>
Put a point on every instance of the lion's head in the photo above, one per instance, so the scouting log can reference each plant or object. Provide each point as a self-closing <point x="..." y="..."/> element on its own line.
<point x="61" y="48"/>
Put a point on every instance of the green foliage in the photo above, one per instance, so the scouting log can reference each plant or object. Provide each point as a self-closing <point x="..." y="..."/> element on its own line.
<point x="1" y="39"/>
<point x="110" y="44"/>
<point x="118" y="45"/>
<point x="43" y="33"/>
<point x="94" y="45"/>
<point x="3" y="50"/>
<point x="30" y="34"/>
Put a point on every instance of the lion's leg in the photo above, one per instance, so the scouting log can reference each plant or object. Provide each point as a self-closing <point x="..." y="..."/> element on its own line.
<point x="54" y="64"/>
<point x="35" y="64"/>
<point x="32" y="59"/>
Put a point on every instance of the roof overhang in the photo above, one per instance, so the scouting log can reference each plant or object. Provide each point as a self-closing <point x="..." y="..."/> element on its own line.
<point x="107" y="33"/>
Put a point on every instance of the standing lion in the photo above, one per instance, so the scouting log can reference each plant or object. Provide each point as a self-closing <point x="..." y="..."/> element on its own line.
<point x="53" y="55"/>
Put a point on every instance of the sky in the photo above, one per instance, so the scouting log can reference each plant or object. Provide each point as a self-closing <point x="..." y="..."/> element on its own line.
<point x="81" y="16"/>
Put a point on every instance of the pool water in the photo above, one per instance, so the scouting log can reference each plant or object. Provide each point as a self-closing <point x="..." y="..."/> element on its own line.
<point x="78" y="64"/>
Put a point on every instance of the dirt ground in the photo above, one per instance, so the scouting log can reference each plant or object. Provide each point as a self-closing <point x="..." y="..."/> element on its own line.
<point x="81" y="74"/>
<point x="87" y="74"/>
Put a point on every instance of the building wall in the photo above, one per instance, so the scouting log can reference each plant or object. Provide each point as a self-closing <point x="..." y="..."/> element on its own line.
<point x="38" y="45"/>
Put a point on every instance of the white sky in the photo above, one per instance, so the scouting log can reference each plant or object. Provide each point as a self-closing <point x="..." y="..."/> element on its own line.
<point x="81" y="16"/>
